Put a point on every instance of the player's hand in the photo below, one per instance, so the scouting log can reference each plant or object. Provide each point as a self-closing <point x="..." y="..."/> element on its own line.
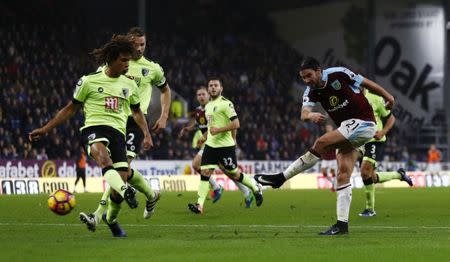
<point x="214" y="130"/>
<point x="317" y="117"/>
<point x="160" y="124"/>
<point x="390" y="102"/>
<point x="148" y="143"/>
<point x="37" y="134"/>
<point x="378" y="135"/>
<point x="201" y="141"/>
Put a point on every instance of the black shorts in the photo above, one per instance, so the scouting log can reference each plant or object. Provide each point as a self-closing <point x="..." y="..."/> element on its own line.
<point x="134" y="138"/>
<point x="373" y="152"/>
<point x="221" y="157"/>
<point x="114" y="141"/>
<point x="81" y="172"/>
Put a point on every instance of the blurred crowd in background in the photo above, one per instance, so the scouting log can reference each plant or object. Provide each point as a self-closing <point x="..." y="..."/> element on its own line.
<point x="41" y="62"/>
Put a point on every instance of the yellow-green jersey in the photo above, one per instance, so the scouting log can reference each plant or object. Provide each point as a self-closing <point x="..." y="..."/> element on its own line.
<point x="147" y="74"/>
<point x="379" y="110"/>
<point x="219" y="113"/>
<point x="106" y="100"/>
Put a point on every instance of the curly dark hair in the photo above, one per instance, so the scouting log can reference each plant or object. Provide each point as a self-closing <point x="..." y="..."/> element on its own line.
<point x="119" y="44"/>
<point x="136" y="31"/>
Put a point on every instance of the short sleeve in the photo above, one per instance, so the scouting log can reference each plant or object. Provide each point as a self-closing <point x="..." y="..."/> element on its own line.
<point x="355" y="79"/>
<point x="159" y="79"/>
<point x="229" y="110"/>
<point x="81" y="90"/>
<point x="134" y="98"/>
<point x="308" y="98"/>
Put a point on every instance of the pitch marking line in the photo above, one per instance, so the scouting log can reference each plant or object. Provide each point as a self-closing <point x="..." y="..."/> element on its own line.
<point x="230" y="226"/>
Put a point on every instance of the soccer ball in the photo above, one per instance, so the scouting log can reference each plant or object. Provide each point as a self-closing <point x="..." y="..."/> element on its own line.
<point x="61" y="202"/>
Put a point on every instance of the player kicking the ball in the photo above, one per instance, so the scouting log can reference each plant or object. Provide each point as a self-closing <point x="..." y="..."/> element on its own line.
<point x="338" y="90"/>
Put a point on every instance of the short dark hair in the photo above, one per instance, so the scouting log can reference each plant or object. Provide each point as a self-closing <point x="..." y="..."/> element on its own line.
<point x="215" y="78"/>
<point x="136" y="31"/>
<point x="119" y="44"/>
<point x="310" y="63"/>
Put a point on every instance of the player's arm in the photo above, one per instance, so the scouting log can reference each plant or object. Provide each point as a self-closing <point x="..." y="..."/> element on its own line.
<point x="165" y="98"/>
<point x="234" y="134"/>
<point x="388" y="124"/>
<point x="139" y="118"/>
<point x="188" y="128"/>
<point x="308" y="115"/>
<point x="233" y="125"/>
<point x="63" y="115"/>
<point x="377" y="89"/>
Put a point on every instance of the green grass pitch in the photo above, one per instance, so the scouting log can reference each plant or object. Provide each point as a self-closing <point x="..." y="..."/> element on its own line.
<point x="412" y="225"/>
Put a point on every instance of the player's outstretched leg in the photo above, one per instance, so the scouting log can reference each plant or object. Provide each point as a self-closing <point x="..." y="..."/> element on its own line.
<point x="303" y="163"/>
<point x="273" y="180"/>
<point x="400" y="174"/>
<point x="405" y="177"/>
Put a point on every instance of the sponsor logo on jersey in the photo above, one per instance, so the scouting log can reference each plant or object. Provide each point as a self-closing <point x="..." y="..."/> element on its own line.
<point x="334" y="100"/>
<point x="336" y="85"/>
<point x="344" y="104"/>
<point x="92" y="136"/>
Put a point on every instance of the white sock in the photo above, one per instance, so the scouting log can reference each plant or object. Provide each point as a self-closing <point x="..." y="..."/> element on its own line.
<point x="301" y="164"/>
<point x="244" y="189"/>
<point x="344" y="199"/>
<point x="213" y="183"/>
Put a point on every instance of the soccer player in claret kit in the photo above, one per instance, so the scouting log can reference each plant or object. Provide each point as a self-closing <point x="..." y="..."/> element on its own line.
<point x="338" y="90"/>
<point x="220" y="146"/>
<point x="107" y="98"/>
<point x="147" y="74"/>
<point x="201" y="125"/>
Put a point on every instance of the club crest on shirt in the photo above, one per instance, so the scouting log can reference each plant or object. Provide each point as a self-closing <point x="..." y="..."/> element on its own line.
<point x="100" y="89"/>
<point x="336" y="85"/>
<point x="125" y="92"/>
<point x="145" y="71"/>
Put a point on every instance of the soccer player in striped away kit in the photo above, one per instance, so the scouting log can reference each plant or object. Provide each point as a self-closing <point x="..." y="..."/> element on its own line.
<point x="373" y="153"/>
<point x="220" y="146"/>
<point x="338" y="90"/>
<point x="147" y="74"/>
<point x="108" y="97"/>
<point x="201" y="124"/>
